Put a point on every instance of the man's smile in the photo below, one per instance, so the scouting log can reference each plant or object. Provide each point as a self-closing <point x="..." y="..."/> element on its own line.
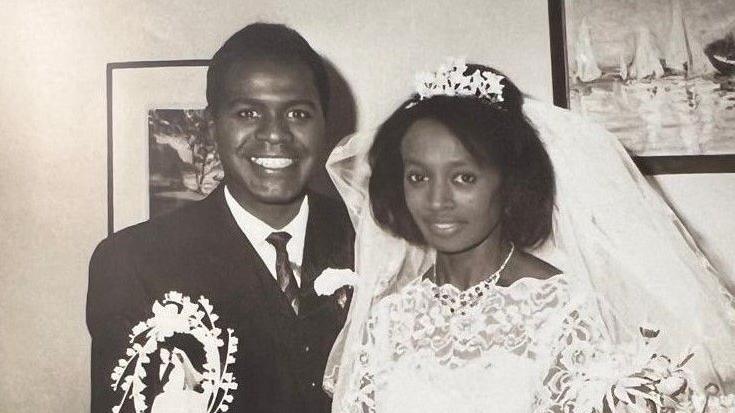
<point x="273" y="162"/>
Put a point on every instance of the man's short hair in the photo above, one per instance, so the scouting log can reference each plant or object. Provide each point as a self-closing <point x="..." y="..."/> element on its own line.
<point x="270" y="41"/>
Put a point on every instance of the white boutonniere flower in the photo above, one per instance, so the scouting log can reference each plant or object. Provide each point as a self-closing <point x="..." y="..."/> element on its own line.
<point x="331" y="280"/>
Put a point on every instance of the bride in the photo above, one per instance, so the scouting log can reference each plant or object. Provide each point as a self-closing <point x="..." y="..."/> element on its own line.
<point x="512" y="258"/>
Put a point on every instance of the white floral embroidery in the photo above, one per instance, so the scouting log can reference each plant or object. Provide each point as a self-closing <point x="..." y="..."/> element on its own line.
<point x="538" y="345"/>
<point x="414" y="329"/>
<point x="176" y="313"/>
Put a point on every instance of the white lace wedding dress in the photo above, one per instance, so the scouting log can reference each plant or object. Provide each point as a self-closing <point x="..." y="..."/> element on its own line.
<point x="536" y="345"/>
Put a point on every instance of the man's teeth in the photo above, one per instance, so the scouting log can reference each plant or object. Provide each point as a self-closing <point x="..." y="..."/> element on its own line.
<point x="273" y="163"/>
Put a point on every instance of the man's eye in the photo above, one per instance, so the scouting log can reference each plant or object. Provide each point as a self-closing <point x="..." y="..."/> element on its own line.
<point x="416" y="178"/>
<point x="465" y="178"/>
<point x="298" y="114"/>
<point x="248" y="114"/>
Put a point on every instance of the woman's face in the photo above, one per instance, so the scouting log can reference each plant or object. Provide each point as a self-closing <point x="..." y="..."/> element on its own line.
<point x="452" y="198"/>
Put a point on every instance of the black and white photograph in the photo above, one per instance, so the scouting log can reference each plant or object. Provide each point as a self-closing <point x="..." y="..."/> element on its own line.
<point x="343" y="206"/>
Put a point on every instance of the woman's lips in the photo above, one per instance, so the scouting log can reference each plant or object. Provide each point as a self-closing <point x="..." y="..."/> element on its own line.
<point x="444" y="228"/>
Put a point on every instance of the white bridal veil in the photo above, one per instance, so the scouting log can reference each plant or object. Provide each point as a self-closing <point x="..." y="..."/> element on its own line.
<point x="610" y="228"/>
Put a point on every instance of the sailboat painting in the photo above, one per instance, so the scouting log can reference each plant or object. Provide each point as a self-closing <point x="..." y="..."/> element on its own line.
<point x="658" y="73"/>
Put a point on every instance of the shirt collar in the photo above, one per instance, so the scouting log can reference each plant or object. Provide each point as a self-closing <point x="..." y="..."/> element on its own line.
<point x="257" y="231"/>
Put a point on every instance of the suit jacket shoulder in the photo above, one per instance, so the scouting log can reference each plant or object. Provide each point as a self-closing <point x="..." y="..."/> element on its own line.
<point x="330" y="232"/>
<point x="188" y="227"/>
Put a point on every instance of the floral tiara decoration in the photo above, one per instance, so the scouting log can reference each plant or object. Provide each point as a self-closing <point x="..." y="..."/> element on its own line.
<point x="177" y="314"/>
<point x="450" y="80"/>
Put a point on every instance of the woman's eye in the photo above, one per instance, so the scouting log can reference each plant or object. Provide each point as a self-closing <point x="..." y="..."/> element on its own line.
<point x="415" y="178"/>
<point x="299" y="114"/>
<point x="248" y="114"/>
<point x="465" y="179"/>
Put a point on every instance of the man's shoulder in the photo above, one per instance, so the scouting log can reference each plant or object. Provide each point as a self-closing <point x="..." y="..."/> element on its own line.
<point x="332" y="229"/>
<point x="326" y="206"/>
<point x="186" y="226"/>
<point x="330" y="213"/>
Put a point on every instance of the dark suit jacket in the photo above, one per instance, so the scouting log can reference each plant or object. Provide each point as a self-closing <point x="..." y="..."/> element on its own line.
<point x="200" y="251"/>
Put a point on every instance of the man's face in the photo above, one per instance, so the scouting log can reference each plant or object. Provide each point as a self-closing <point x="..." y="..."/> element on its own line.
<point x="269" y="129"/>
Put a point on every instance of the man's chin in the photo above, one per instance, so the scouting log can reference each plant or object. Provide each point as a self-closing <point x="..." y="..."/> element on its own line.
<point x="281" y="199"/>
<point x="279" y="196"/>
<point x="267" y="193"/>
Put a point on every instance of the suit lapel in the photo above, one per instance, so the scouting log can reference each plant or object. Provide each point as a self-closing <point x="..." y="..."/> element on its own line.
<point x="320" y="250"/>
<point x="246" y="271"/>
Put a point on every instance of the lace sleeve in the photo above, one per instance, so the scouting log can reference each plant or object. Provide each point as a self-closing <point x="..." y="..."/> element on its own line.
<point x="591" y="371"/>
<point x="571" y="383"/>
<point x="358" y="395"/>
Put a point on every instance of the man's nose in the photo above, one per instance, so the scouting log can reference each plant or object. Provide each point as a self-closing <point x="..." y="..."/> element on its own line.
<point x="275" y="130"/>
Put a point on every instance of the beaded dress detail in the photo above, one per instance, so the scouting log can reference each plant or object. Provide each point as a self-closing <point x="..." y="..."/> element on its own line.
<point x="503" y="350"/>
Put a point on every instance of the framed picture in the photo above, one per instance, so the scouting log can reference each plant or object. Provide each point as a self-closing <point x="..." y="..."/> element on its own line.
<point x="660" y="74"/>
<point x="160" y="155"/>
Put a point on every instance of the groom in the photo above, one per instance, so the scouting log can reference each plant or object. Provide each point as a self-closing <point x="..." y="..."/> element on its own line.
<point x="253" y="247"/>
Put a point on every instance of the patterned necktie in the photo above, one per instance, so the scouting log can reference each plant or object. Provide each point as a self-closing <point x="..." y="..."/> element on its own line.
<point x="284" y="272"/>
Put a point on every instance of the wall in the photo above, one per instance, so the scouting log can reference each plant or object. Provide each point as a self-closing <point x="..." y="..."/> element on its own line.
<point x="706" y="204"/>
<point x="53" y="157"/>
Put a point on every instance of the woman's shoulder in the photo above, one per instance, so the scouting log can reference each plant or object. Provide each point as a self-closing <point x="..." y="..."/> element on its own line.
<point x="526" y="265"/>
<point x="411" y="292"/>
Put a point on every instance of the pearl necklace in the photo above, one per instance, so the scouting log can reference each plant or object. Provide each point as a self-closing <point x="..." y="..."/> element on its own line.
<point x="472" y="295"/>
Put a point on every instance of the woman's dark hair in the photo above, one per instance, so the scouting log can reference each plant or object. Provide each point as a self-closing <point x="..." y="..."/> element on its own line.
<point x="265" y="40"/>
<point x="496" y="134"/>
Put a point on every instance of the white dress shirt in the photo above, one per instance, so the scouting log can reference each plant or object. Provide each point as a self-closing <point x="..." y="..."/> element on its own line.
<point x="257" y="231"/>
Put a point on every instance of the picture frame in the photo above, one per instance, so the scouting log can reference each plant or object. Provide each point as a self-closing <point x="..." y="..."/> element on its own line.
<point x="700" y="161"/>
<point x="135" y="90"/>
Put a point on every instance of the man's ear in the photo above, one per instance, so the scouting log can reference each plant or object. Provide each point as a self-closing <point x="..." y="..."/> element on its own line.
<point x="211" y="127"/>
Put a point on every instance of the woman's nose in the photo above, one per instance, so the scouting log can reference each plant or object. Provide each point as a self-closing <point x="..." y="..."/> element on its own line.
<point x="440" y="195"/>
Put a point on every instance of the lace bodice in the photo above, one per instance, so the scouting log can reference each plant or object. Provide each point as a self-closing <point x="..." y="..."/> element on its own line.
<point x="517" y="349"/>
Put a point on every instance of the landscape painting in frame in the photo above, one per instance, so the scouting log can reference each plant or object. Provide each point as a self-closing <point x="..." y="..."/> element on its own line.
<point x="660" y="74"/>
<point x="183" y="162"/>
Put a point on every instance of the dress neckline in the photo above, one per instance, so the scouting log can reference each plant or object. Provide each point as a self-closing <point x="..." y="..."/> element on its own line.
<point x="426" y="278"/>
<point x="456" y="301"/>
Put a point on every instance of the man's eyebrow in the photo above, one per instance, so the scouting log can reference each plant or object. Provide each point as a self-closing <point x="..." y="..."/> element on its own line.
<point x="242" y="101"/>
<point x="305" y="102"/>
<point x="255" y="102"/>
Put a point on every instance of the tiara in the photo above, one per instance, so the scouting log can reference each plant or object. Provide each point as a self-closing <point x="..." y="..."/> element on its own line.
<point x="450" y="80"/>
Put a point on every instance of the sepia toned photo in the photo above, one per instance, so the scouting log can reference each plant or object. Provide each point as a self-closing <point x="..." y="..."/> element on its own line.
<point x="343" y="206"/>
